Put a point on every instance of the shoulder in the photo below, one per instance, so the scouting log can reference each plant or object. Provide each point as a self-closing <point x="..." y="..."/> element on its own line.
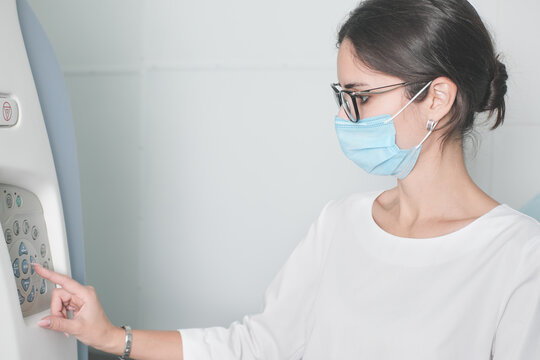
<point x="350" y="205"/>
<point x="522" y="229"/>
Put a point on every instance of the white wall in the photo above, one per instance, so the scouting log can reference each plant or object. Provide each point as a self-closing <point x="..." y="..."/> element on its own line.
<point x="207" y="147"/>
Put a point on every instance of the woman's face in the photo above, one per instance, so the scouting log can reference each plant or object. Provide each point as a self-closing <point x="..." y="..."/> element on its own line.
<point x="355" y="76"/>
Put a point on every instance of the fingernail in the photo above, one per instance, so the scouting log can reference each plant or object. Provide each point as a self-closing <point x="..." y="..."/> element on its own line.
<point x="67" y="335"/>
<point x="44" y="323"/>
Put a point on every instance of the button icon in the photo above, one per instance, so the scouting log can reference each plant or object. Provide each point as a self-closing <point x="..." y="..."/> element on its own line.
<point x="9" y="201"/>
<point x="18" y="200"/>
<point x="25" y="226"/>
<point x="7" y="111"/>
<point x="43" y="250"/>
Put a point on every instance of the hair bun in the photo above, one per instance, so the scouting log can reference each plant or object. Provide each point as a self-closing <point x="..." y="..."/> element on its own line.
<point x="497" y="87"/>
<point x="496" y="92"/>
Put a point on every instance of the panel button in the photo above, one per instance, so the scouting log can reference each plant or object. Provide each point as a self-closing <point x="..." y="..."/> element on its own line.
<point x="25" y="227"/>
<point x="16" y="228"/>
<point x="43" y="250"/>
<point x="15" y="266"/>
<point x="9" y="236"/>
<point x="43" y="288"/>
<point x="22" y="249"/>
<point x="35" y="232"/>
<point x="24" y="266"/>
<point x="18" y="200"/>
<point x="46" y="265"/>
<point x="25" y="284"/>
<point x="21" y="298"/>
<point x="32" y="295"/>
<point x="9" y="201"/>
<point x="10" y="112"/>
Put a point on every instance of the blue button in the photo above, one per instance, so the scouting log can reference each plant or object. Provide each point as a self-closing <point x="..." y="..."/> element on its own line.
<point x="25" y="284"/>
<point x="24" y="266"/>
<point x="32" y="295"/>
<point x="43" y="289"/>
<point x="15" y="266"/>
<point x="32" y="260"/>
<point x="22" y="249"/>
<point x="21" y="298"/>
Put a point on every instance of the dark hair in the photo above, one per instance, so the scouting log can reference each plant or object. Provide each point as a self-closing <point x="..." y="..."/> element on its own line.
<point x="421" y="40"/>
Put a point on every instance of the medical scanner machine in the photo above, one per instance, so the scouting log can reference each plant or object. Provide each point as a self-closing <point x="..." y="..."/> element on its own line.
<point x="40" y="210"/>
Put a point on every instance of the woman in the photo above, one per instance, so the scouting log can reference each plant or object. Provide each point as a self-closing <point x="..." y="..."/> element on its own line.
<point x="431" y="269"/>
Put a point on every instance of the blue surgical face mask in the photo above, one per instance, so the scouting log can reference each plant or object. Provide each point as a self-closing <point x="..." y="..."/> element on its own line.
<point x="371" y="143"/>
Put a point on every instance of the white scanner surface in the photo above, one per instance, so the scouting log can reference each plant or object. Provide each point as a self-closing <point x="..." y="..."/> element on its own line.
<point x="27" y="163"/>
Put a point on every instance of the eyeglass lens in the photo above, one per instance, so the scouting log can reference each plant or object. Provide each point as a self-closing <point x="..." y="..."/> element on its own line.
<point x="345" y="100"/>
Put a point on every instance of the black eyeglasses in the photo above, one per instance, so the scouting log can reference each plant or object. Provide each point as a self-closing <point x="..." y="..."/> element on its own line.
<point x="350" y="100"/>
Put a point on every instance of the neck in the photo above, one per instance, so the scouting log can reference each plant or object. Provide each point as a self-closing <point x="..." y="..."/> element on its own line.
<point x="439" y="187"/>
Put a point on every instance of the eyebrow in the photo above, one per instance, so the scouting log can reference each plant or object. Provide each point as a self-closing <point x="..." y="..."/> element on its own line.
<point x="354" y="85"/>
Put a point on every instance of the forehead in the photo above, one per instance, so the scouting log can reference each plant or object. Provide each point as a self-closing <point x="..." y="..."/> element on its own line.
<point x="350" y="69"/>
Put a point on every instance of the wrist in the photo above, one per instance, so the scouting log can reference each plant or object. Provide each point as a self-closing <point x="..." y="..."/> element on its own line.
<point x="115" y="342"/>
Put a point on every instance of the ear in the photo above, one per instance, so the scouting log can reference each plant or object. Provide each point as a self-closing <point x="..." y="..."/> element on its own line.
<point x="441" y="97"/>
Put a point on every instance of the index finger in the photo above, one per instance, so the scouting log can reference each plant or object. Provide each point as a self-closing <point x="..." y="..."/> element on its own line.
<point x="65" y="281"/>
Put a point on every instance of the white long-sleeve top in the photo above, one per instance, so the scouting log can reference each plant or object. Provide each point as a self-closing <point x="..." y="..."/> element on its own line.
<point x="352" y="291"/>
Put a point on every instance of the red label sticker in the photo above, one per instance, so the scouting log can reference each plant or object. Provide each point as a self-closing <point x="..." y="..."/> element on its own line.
<point x="7" y="111"/>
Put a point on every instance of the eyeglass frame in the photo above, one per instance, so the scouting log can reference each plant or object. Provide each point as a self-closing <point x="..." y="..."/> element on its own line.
<point x="362" y="95"/>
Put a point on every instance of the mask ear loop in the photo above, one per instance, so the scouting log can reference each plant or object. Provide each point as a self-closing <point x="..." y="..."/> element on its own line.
<point x="410" y="101"/>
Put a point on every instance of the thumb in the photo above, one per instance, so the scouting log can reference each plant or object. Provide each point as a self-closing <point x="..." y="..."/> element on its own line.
<point x="58" y="324"/>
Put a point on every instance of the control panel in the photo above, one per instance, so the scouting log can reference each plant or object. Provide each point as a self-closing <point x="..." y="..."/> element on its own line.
<point x="25" y="234"/>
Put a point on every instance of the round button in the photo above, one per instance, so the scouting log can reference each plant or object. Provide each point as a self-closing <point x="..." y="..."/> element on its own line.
<point x="9" y="201"/>
<point x="18" y="200"/>
<point x="15" y="267"/>
<point x="43" y="250"/>
<point x="32" y="295"/>
<point x="32" y="260"/>
<point x="24" y="266"/>
<point x="25" y="226"/>
<point x="43" y="288"/>
<point x="25" y="284"/>
<point x="22" y="249"/>
<point x="35" y="232"/>
<point x="16" y="228"/>
<point x="9" y="236"/>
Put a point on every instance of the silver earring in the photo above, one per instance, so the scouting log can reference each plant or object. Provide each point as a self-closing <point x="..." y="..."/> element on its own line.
<point x="430" y="125"/>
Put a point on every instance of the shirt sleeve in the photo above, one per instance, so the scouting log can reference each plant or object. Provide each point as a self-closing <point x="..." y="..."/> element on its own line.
<point x="281" y="330"/>
<point x="518" y="334"/>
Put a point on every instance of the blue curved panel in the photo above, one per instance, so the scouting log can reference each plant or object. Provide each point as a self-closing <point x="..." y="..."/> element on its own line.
<point x="57" y="114"/>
